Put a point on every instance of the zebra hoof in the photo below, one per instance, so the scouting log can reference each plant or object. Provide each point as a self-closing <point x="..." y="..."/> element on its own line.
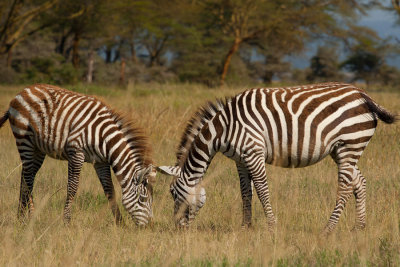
<point x="358" y="227"/>
<point x="67" y="220"/>
<point x="246" y="226"/>
<point x="327" y="231"/>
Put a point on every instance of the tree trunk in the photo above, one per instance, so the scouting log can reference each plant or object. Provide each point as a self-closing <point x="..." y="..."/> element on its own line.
<point x="122" y="72"/>
<point x="89" y="76"/>
<point x="75" y="50"/>
<point x="268" y="77"/>
<point x="396" y="5"/>
<point x="63" y="40"/>
<point x="108" y="54"/>
<point x="228" y="58"/>
<point x="9" y="57"/>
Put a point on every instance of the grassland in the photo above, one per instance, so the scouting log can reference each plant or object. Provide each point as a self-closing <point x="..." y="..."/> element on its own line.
<point x="302" y="200"/>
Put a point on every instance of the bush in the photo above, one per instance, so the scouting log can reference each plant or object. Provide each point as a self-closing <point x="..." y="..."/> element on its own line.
<point x="8" y="75"/>
<point x="50" y="69"/>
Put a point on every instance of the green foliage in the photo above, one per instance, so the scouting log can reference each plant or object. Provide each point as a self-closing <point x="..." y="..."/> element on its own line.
<point x="8" y="75"/>
<point x="205" y="41"/>
<point x="364" y="62"/>
<point x="49" y="70"/>
<point x="197" y="68"/>
<point x="389" y="75"/>
<point x="324" y="66"/>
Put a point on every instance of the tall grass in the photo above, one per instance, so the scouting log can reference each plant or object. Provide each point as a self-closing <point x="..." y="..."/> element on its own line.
<point x="302" y="199"/>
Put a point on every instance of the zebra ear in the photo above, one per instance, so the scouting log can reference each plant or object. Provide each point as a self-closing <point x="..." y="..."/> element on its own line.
<point x="144" y="173"/>
<point x="169" y="170"/>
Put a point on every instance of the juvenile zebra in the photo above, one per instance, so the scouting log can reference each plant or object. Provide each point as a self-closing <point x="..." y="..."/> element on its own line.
<point x="47" y="120"/>
<point x="289" y="127"/>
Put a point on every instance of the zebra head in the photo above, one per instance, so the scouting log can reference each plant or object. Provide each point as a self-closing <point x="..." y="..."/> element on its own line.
<point x="187" y="200"/>
<point x="138" y="200"/>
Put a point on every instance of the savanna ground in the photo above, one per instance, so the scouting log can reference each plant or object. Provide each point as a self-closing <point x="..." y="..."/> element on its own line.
<point x="302" y="200"/>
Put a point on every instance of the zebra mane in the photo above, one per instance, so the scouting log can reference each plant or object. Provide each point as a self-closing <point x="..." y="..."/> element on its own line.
<point x="136" y="139"/>
<point x="201" y="116"/>
<point x="134" y="135"/>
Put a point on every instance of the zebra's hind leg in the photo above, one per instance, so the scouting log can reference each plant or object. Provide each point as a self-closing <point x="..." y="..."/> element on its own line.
<point x="256" y="167"/>
<point x="247" y="193"/>
<point x="347" y="172"/>
<point x="75" y="162"/>
<point x="104" y="174"/>
<point x="360" y="194"/>
<point x="31" y="163"/>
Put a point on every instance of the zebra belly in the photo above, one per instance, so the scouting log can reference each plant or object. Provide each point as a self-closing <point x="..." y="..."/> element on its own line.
<point x="283" y="156"/>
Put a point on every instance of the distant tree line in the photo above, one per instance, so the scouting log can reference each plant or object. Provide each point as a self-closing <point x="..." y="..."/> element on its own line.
<point x="204" y="41"/>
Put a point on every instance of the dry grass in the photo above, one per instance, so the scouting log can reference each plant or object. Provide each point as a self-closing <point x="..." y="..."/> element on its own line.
<point x="302" y="200"/>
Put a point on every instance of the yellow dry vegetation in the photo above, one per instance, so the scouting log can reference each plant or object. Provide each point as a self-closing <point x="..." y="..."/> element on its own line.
<point x="302" y="200"/>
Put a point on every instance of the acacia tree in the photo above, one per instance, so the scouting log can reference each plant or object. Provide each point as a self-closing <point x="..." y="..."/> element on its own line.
<point x="365" y="62"/>
<point x="159" y="29"/>
<point x="81" y="24"/>
<point x="18" y="21"/>
<point x="286" y="25"/>
<point x="324" y="66"/>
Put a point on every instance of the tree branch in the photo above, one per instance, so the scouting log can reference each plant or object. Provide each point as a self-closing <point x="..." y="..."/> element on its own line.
<point x="396" y="5"/>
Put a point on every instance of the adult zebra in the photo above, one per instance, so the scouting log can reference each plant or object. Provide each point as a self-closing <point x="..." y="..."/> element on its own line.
<point x="287" y="127"/>
<point x="47" y="120"/>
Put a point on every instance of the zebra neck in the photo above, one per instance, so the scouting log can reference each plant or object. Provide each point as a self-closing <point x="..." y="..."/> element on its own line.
<point x="204" y="147"/>
<point x="123" y="160"/>
<point x="127" y="171"/>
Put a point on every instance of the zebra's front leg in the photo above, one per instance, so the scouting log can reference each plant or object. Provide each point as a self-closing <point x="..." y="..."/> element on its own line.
<point x="104" y="174"/>
<point x="345" y="189"/>
<point x="247" y="193"/>
<point x="256" y="168"/>
<point x="75" y="162"/>
<point x="31" y="164"/>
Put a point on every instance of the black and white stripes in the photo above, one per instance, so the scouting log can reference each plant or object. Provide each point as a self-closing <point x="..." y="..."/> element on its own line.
<point x="287" y="127"/>
<point x="48" y="120"/>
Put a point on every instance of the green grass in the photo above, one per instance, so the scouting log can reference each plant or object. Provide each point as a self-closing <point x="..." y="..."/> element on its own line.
<point x="302" y="200"/>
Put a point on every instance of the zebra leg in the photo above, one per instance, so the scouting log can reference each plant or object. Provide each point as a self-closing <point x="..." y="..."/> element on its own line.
<point x="256" y="168"/>
<point x="247" y="194"/>
<point x="75" y="162"/>
<point x="346" y="188"/>
<point x="360" y="194"/>
<point x="104" y="174"/>
<point x="31" y="163"/>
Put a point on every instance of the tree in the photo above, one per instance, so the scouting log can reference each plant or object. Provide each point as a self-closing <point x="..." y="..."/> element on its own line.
<point x="18" y="22"/>
<point x="365" y="63"/>
<point x="324" y="66"/>
<point x="274" y="24"/>
<point x="388" y="75"/>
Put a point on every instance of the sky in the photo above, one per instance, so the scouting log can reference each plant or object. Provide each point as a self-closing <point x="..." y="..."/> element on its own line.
<point x="383" y="22"/>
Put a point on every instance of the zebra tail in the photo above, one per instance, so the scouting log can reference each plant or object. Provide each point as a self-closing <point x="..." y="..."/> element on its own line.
<point x="4" y="118"/>
<point x="382" y="113"/>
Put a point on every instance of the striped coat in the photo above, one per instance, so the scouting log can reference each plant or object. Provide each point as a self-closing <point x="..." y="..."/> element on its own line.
<point x="288" y="127"/>
<point x="47" y="120"/>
